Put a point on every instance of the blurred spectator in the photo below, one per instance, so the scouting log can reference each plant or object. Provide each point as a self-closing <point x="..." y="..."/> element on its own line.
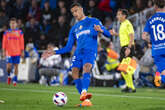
<point x="32" y="58"/>
<point x="101" y="56"/>
<point x="34" y="11"/>
<point x="1" y="34"/>
<point x="51" y="2"/>
<point x="60" y="5"/>
<point x="108" y="7"/>
<point x="138" y="50"/>
<point x="20" y="9"/>
<point x="147" y="68"/>
<point x="93" y="11"/>
<point x="113" y="4"/>
<point x="49" y="67"/>
<point x="146" y="61"/>
<point x="6" y="8"/>
<point x="112" y="63"/>
<point x="32" y="30"/>
<point x="150" y="3"/>
<point x="108" y="23"/>
<point x="62" y="10"/>
<point x="42" y="42"/>
<point x="112" y="57"/>
<point x="79" y="1"/>
<point x="138" y="6"/>
<point x="46" y="17"/>
<point x="59" y="31"/>
<point x="3" y="19"/>
<point x="104" y="6"/>
<point x="20" y="25"/>
<point x="3" y="24"/>
<point x="125" y="4"/>
<point x="32" y="53"/>
<point x="67" y="15"/>
<point x="52" y="60"/>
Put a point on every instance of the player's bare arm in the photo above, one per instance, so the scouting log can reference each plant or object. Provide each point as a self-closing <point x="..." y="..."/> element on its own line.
<point x="98" y="28"/>
<point x="131" y="40"/>
<point x="22" y="54"/>
<point x="128" y="50"/>
<point x="113" y="32"/>
<point x="3" y="53"/>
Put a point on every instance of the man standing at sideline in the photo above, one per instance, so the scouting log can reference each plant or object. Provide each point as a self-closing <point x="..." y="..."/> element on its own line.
<point x="126" y="35"/>
<point x="13" y="48"/>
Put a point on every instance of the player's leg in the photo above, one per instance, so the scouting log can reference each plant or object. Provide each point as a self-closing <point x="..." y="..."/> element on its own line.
<point x="16" y="61"/>
<point x="124" y="75"/>
<point x="77" y="80"/>
<point x="15" y="74"/>
<point x="85" y="84"/>
<point x="8" y="72"/>
<point x="76" y="65"/>
<point x="157" y="80"/>
<point x="130" y="82"/>
<point x="129" y="76"/>
<point x="160" y="78"/>
<point x="130" y="73"/>
<point x="88" y="59"/>
<point x="163" y="78"/>
<point x="86" y="76"/>
<point x="9" y="62"/>
<point x="88" y="62"/>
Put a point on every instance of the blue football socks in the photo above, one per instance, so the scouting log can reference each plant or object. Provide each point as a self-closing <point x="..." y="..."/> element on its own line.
<point x="163" y="79"/>
<point x="86" y="81"/>
<point x="8" y="74"/>
<point x="78" y="85"/>
<point x="15" y="79"/>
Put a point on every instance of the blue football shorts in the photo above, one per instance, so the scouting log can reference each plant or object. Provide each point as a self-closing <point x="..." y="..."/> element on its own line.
<point x="78" y="60"/>
<point x="13" y="59"/>
<point x="160" y="62"/>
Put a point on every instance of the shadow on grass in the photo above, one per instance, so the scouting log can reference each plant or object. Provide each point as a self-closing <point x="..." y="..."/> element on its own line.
<point x="70" y="107"/>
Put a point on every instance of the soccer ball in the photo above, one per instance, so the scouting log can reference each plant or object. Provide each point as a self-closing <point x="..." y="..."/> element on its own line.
<point x="60" y="99"/>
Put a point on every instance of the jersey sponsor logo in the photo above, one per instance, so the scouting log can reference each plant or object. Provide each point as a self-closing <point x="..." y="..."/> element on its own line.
<point x="13" y="38"/>
<point x="80" y="27"/>
<point x="82" y="33"/>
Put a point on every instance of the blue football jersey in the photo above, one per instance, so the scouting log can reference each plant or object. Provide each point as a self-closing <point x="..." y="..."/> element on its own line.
<point x="155" y="26"/>
<point x="84" y="33"/>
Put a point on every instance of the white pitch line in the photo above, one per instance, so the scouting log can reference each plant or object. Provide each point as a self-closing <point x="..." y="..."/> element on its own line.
<point x="94" y="94"/>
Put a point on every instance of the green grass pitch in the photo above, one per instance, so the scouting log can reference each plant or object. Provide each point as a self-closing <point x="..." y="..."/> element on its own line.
<point x="37" y="97"/>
